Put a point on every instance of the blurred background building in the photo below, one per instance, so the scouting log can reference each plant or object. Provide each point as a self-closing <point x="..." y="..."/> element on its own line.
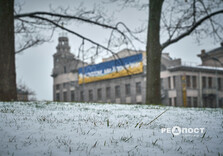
<point x="122" y="78"/>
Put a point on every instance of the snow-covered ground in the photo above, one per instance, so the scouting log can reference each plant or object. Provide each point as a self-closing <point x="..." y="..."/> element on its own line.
<point x="45" y="128"/>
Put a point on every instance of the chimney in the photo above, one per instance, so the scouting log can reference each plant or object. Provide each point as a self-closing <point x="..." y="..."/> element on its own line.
<point x="202" y="52"/>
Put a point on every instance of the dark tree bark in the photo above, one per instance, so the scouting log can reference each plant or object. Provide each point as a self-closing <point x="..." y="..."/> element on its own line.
<point x="7" y="52"/>
<point x="153" y="51"/>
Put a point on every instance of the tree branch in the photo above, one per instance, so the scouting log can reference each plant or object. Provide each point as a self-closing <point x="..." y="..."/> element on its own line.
<point x="32" y="14"/>
<point x="188" y="32"/>
<point x="81" y="36"/>
<point x="211" y="21"/>
<point x="65" y="16"/>
<point x="28" y="45"/>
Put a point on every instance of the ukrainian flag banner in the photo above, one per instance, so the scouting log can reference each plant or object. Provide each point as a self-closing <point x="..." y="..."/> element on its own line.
<point x="112" y="69"/>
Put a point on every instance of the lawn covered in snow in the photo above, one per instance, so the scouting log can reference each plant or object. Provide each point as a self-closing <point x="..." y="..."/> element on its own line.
<point x="50" y="128"/>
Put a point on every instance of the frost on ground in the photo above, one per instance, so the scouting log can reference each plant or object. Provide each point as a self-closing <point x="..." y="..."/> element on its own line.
<point x="43" y="128"/>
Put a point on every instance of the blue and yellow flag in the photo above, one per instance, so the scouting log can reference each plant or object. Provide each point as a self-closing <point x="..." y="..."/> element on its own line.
<point x="112" y="69"/>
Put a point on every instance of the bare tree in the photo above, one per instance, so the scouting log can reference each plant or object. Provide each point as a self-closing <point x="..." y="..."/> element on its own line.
<point x="53" y="20"/>
<point x="179" y="19"/>
<point x="153" y="51"/>
<point x="25" y="92"/>
<point x="41" y="20"/>
<point x="176" y="20"/>
<point x="185" y="18"/>
<point x="7" y="50"/>
<point x="27" y="32"/>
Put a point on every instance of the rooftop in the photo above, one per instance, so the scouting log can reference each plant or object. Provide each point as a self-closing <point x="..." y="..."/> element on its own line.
<point x="196" y="68"/>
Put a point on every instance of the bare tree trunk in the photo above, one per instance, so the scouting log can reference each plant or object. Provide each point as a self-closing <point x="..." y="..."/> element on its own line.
<point x="7" y="52"/>
<point x="153" y="51"/>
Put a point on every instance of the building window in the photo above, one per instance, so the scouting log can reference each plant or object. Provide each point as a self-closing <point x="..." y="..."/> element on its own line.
<point x="209" y="82"/>
<point x="194" y="81"/>
<point x="65" y="69"/>
<point x="108" y="92"/>
<point x="58" y="97"/>
<point x="99" y="94"/>
<point x="170" y="101"/>
<point x="219" y="84"/>
<point x="57" y="87"/>
<point x="195" y="101"/>
<point x="175" y="101"/>
<point x="188" y="101"/>
<point x="64" y="96"/>
<point x="127" y="90"/>
<point x="64" y="85"/>
<point x="174" y="81"/>
<point x="188" y="81"/>
<point x="138" y="88"/>
<point x="204" y="100"/>
<point x="162" y="83"/>
<point x="90" y="92"/>
<point x="117" y="91"/>
<point x="82" y="96"/>
<point x="72" y="96"/>
<point x="169" y="83"/>
<point x="72" y="84"/>
<point x="220" y="103"/>
<point x="204" y="82"/>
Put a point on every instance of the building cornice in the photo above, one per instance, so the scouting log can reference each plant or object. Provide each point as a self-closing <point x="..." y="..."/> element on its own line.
<point x="196" y="69"/>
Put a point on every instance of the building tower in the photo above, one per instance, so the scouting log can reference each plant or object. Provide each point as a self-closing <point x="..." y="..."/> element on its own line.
<point x="62" y="57"/>
<point x="64" y="71"/>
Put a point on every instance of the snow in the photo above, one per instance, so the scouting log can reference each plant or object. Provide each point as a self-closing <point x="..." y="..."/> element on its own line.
<point x="50" y="128"/>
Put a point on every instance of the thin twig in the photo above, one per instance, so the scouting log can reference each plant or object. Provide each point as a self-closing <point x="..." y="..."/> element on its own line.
<point x="157" y="117"/>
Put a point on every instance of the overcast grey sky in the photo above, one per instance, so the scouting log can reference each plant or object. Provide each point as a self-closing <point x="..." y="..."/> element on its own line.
<point x="34" y="66"/>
